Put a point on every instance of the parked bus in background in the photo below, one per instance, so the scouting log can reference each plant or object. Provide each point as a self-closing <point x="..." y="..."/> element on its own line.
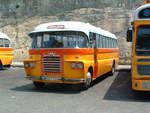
<point x="71" y="53"/>
<point x="6" y="52"/>
<point x="139" y="34"/>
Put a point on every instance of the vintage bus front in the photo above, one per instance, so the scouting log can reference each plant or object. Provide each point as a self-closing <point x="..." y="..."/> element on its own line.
<point x="6" y="51"/>
<point x="140" y="70"/>
<point x="59" y="56"/>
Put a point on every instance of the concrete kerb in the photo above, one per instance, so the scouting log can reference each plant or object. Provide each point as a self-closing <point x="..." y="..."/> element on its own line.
<point x="17" y="64"/>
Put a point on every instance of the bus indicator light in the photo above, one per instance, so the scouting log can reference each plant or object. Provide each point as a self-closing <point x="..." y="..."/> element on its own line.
<point x="77" y="65"/>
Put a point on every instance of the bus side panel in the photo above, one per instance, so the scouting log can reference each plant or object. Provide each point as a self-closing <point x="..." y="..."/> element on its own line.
<point x="71" y="73"/>
<point x="105" y="61"/>
<point x="6" y="56"/>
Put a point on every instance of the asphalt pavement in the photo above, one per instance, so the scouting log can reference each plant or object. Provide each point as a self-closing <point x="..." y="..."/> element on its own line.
<point x="108" y="94"/>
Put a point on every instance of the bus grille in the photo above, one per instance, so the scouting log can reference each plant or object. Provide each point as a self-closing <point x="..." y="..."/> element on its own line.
<point x="143" y="70"/>
<point x="52" y="64"/>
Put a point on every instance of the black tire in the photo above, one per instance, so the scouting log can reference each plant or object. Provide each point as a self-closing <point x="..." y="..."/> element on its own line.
<point x="87" y="82"/>
<point x="113" y="69"/>
<point x="39" y="85"/>
<point x="1" y="65"/>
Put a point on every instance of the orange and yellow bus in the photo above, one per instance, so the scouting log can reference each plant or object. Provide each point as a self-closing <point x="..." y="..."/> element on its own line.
<point x="70" y="52"/>
<point x="139" y="34"/>
<point x="6" y="52"/>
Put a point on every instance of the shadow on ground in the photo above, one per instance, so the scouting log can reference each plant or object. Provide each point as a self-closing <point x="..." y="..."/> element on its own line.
<point x="120" y="90"/>
<point x="58" y="88"/>
<point x="49" y="88"/>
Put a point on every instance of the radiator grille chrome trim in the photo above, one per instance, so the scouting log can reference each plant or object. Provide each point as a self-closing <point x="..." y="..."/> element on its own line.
<point x="52" y="64"/>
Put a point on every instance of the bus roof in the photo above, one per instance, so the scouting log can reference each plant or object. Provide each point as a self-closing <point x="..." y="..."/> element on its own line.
<point x="138" y="10"/>
<point x="2" y="35"/>
<point x="71" y="26"/>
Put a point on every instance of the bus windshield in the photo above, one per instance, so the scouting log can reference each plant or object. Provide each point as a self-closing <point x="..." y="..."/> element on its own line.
<point x="61" y="39"/>
<point x="143" y="41"/>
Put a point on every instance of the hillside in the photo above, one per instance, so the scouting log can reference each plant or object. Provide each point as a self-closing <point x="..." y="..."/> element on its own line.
<point x="46" y="7"/>
<point x="19" y="17"/>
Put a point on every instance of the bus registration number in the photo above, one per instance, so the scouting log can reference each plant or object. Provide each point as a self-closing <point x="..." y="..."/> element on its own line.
<point x="52" y="79"/>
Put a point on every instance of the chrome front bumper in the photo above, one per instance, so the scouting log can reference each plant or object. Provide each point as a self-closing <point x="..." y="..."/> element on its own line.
<point x="55" y="79"/>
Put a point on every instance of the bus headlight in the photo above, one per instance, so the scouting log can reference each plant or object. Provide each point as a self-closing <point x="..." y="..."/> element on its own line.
<point x="73" y="65"/>
<point x="78" y="65"/>
<point x="29" y="64"/>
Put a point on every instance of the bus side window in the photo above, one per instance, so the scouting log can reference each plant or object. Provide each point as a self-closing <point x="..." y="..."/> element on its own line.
<point x="7" y="43"/>
<point x="1" y="42"/>
<point x="97" y="41"/>
<point x="91" y="40"/>
<point x="108" y="42"/>
<point x="108" y="45"/>
<point x="103" y="42"/>
<point x="113" y="43"/>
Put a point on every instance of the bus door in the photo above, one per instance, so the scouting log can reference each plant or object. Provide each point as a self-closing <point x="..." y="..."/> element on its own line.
<point x="93" y="39"/>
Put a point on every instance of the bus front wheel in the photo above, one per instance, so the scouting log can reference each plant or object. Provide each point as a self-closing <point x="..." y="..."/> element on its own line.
<point x="39" y="85"/>
<point x="87" y="82"/>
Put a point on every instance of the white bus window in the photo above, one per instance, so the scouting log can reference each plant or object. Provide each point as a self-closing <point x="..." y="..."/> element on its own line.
<point x="46" y="41"/>
<point x="7" y="43"/>
<point x="63" y="39"/>
<point x="71" y="41"/>
<point x="97" y="41"/>
<point x="103" y="42"/>
<point x="100" y="42"/>
<point x="39" y="41"/>
<point x="65" y="42"/>
<point x="109" y="42"/>
<point x="113" y="43"/>
<point x="1" y="42"/>
<point x="106" y="42"/>
<point x="82" y="42"/>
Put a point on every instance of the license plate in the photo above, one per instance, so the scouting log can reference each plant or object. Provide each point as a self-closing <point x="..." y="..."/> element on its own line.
<point x="52" y="79"/>
<point x="146" y="85"/>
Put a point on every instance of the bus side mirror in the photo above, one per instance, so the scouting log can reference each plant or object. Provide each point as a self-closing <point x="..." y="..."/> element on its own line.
<point x="129" y="35"/>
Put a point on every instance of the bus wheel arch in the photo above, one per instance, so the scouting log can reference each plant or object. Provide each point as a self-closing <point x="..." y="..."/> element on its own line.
<point x="88" y="78"/>
<point x="113" y="68"/>
<point x="90" y="69"/>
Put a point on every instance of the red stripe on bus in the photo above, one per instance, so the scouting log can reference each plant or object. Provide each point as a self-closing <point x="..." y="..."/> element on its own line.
<point x="61" y="51"/>
<point x="107" y="50"/>
<point x="6" y="49"/>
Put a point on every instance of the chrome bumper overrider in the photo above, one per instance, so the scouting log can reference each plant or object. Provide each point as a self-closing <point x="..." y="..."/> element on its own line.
<point x="55" y="79"/>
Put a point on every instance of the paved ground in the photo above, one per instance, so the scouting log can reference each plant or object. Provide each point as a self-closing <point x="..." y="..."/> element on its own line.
<point x="107" y="95"/>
